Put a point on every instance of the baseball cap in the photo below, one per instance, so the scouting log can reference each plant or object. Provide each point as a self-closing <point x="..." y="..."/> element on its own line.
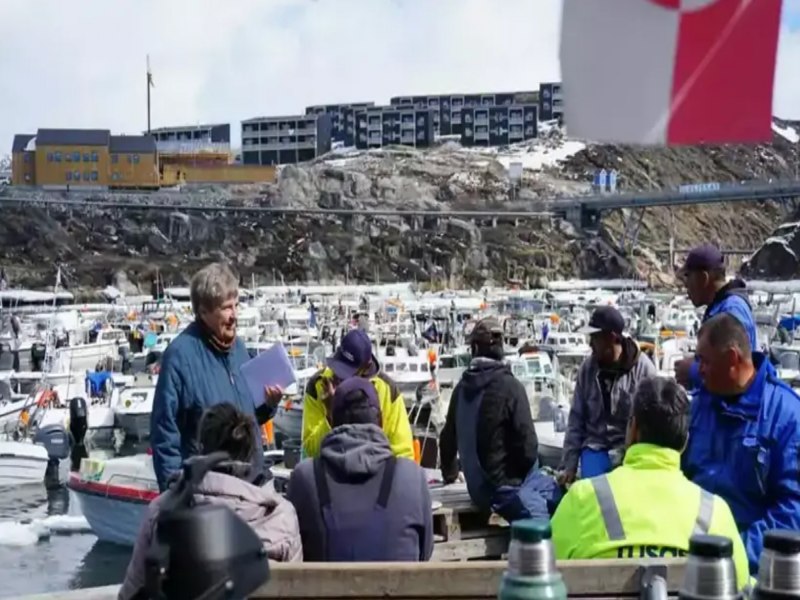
<point x="703" y="258"/>
<point x="604" y="318"/>
<point x="347" y="396"/>
<point x="353" y="354"/>
<point x="485" y="331"/>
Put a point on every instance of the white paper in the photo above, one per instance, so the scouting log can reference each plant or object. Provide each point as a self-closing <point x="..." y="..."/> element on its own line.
<point x="269" y="369"/>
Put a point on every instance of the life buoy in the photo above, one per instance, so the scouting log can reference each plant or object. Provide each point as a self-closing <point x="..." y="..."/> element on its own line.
<point x="47" y="398"/>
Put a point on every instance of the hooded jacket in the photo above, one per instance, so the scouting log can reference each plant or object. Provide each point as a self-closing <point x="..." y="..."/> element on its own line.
<point x="589" y="424"/>
<point x="268" y="514"/>
<point x="506" y="439"/>
<point x="393" y="412"/>
<point x="354" y="457"/>
<point x="732" y="299"/>
<point x="193" y="377"/>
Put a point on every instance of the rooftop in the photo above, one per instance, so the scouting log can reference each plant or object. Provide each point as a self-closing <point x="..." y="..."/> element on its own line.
<point x="73" y="137"/>
<point x="21" y="141"/>
<point x="188" y="128"/>
<point x="144" y="144"/>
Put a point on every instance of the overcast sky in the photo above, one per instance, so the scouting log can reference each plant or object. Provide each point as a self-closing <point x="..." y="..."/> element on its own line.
<point x="82" y="64"/>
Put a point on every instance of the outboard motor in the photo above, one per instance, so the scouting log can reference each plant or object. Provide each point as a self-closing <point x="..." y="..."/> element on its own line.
<point x="202" y="550"/>
<point x="710" y="572"/>
<point x="38" y="352"/>
<point x="78" y="425"/>
<point x="779" y="567"/>
<point x="55" y="439"/>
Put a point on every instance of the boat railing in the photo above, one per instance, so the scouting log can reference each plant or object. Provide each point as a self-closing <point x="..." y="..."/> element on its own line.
<point x="123" y="478"/>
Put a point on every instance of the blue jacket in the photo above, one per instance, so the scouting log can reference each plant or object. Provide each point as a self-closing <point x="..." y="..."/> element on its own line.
<point x="731" y="299"/>
<point x="193" y="377"/>
<point x="746" y="451"/>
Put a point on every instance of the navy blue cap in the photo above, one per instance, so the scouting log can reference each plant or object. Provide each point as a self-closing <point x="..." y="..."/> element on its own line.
<point x="356" y="390"/>
<point x="604" y="318"/>
<point x="354" y="355"/>
<point x="703" y="258"/>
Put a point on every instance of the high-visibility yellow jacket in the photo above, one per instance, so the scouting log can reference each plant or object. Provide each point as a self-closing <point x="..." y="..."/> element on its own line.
<point x="645" y="508"/>
<point x="393" y="410"/>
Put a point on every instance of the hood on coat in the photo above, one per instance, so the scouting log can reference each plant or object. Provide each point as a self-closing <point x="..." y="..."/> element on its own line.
<point x="735" y="287"/>
<point x="630" y="354"/>
<point x="481" y="372"/>
<point x="355" y="451"/>
<point x="271" y="516"/>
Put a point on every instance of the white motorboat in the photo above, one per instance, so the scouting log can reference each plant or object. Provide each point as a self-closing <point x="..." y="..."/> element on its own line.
<point x="551" y="443"/>
<point x="22" y="462"/>
<point x="114" y="495"/>
<point x="85" y="357"/>
<point x="133" y="407"/>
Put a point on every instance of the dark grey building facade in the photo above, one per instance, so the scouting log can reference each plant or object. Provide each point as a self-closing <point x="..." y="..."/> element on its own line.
<point x="499" y="125"/>
<point x="343" y="119"/>
<point x="380" y="126"/>
<point x="551" y="102"/>
<point x="447" y="108"/>
<point x="285" y="140"/>
<point x="218" y="134"/>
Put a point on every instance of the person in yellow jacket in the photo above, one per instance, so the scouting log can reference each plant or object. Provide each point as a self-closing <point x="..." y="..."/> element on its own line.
<point x="354" y="358"/>
<point x="645" y="508"/>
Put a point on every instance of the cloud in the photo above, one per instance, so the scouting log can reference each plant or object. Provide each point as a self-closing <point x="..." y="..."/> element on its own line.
<point x="83" y="64"/>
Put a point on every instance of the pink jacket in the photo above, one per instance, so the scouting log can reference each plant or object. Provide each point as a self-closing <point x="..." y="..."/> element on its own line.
<point x="271" y="517"/>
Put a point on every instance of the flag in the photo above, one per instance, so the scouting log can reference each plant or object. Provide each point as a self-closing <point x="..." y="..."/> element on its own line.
<point x="669" y="71"/>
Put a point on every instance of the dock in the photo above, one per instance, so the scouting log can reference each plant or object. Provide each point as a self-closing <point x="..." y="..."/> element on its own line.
<point x="598" y="579"/>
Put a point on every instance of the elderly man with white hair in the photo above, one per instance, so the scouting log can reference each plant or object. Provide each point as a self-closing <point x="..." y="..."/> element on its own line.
<point x="200" y="368"/>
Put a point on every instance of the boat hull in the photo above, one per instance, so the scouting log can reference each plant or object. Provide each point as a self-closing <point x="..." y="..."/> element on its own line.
<point x="114" y="514"/>
<point x="22" y="463"/>
<point x="134" y="424"/>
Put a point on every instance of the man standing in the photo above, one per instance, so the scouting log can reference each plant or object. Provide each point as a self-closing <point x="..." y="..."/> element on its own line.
<point x="601" y="405"/>
<point x="646" y="508"/>
<point x="489" y="427"/>
<point x="703" y="274"/>
<point x="201" y="368"/>
<point x="744" y="434"/>
<point x="354" y="358"/>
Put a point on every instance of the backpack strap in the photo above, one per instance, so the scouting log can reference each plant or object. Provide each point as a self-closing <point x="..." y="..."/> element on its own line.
<point x="386" y="481"/>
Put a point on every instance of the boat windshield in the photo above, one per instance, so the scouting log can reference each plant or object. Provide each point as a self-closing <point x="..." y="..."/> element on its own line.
<point x="790" y="361"/>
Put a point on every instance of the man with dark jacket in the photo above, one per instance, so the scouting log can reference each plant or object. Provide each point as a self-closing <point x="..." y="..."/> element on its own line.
<point x="201" y="368"/>
<point x="601" y="405"/>
<point x="703" y="273"/>
<point x="489" y="426"/>
<point x="357" y="501"/>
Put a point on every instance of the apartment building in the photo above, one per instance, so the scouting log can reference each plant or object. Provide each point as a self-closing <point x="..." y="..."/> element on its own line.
<point x="447" y="107"/>
<point x="499" y="125"/>
<point x="551" y="102"/>
<point x="343" y="119"/>
<point x="285" y="140"/>
<point x="380" y="126"/>
<point x="217" y="133"/>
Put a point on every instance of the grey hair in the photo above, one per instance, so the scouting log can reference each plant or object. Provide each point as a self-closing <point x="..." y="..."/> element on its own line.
<point x="212" y="285"/>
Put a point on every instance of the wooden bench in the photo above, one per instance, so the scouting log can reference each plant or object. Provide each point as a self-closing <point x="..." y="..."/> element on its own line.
<point x="599" y="579"/>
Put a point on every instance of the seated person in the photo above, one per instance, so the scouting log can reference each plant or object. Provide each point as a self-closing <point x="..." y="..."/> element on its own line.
<point x="357" y="501"/>
<point x="224" y="428"/>
<point x="354" y="358"/>
<point x="489" y="427"/>
<point x="646" y="508"/>
<point x="601" y="404"/>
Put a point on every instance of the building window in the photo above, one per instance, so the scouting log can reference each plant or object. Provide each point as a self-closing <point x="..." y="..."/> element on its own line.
<point x="57" y="156"/>
<point x="76" y="157"/>
<point x="67" y="157"/>
<point x="114" y="159"/>
<point x="27" y="177"/>
<point x="49" y="157"/>
<point x="26" y="158"/>
<point x="114" y="176"/>
<point x="94" y="175"/>
<point x="136" y="159"/>
<point x="94" y="156"/>
<point x="130" y="159"/>
<point x="76" y="175"/>
<point x="69" y="175"/>
<point x="86" y="175"/>
<point x="87" y="157"/>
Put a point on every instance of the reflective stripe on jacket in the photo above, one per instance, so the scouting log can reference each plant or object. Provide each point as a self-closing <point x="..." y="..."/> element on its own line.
<point x="645" y="508"/>
<point x="393" y="410"/>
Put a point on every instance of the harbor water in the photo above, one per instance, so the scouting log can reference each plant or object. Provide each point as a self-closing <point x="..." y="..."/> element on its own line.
<point x="47" y="546"/>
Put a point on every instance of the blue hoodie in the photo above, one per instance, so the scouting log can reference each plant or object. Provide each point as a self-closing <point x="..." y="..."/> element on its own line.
<point x="745" y="450"/>
<point x="731" y="299"/>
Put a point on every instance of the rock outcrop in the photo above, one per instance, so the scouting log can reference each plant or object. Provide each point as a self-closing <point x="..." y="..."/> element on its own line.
<point x="99" y="247"/>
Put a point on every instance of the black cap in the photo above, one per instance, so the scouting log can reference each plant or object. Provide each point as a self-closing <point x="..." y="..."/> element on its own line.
<point x="487" y="331"/>
<point x="703" y="258"/>
<point x="605" y="318"/>
<point x="531" y="531"/>
<point x="710" y="546"/>
<point x="783" y="542"/>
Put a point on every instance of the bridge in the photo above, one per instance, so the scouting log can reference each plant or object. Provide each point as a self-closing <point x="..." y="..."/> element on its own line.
<point x="584" y="211"/>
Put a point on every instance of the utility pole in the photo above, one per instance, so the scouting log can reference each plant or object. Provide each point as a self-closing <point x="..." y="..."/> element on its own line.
<point x="150" y="84"/>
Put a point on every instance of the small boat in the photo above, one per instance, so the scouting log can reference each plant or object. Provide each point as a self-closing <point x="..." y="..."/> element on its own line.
<point x="551" y="443"/>
<point x="22" y="462"/>
<point x="133" y="407"/>
<point x="114" y="494"/>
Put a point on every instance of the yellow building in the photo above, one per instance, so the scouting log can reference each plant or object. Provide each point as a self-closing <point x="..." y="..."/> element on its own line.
<point x="72" y="158"/>
<point x="134" y="162"/>
<point x="23" y="160"/>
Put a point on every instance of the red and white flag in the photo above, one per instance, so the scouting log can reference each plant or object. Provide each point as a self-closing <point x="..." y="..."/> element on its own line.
<point x="669" y="71"/>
